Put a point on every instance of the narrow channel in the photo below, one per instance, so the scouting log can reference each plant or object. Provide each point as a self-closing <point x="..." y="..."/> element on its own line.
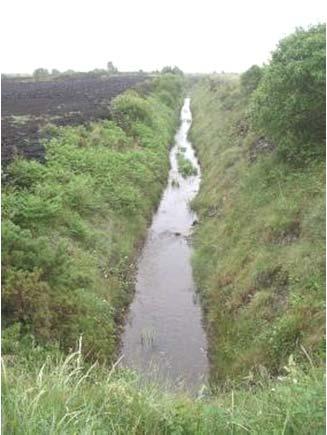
<point x="164" y="337"/>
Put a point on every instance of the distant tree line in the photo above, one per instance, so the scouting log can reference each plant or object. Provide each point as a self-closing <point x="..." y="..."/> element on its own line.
<point x="43" y="73"/>
<point x="172" y="70"/>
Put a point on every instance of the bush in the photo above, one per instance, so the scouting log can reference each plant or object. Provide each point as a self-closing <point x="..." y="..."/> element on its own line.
<point x="130" y="107"/>
<point x="251" y="79"/>
<point x="289" y="105"/>
<point x="171" y="83"/>
<point x="25" y="174"/>
<point x="108" y="134"/>
<point x="259" y="250"/>
<point x="185" y="166"/>
<point x="40" y="73"/>
<point x="71" y="225"/>
<point x="25" y="299"/>
<point x="172" y="70"/>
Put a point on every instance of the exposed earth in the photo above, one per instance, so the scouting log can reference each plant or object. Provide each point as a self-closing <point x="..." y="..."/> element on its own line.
<point x="29" y="105"/>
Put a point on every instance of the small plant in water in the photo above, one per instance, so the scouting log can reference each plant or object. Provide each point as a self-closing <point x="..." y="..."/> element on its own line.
<point x="148" y="336"/>
<point x="174" y="183"/>
<point x="185" y="166"/>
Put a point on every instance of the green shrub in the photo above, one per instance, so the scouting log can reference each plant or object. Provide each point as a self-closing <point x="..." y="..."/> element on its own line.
<point x="81" y="195"/>
<point x="23" y="250"/>
<point x="171" y="83"/>
<point x="25" y="174"/>
<point x="129" y="107"/>
<point x="71" y="225"/>
<point x="107" y="133"/>
<point x="40" y="73"/>
<point x="25" y="299"/>
<point x="289" y="103"/>
<point x="259" y="249"/>
<point x="171" y="70"/>
<point x="250" y="79"/>
<point x="185" y="166"/>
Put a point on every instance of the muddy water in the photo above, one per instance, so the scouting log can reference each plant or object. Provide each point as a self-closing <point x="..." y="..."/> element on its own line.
<point x="164" y="338"/>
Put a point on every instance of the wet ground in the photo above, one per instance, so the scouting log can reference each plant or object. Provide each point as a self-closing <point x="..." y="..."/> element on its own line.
<point x="164" y="337"/>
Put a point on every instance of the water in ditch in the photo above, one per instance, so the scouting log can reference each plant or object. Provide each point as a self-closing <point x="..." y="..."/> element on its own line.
<point x="164" y="338"/>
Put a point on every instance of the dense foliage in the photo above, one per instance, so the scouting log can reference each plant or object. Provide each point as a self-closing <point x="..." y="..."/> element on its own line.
<point x="250" y="79"/>
<point x="71" y="226"/>
<point x="289" y="105"/>
<point x="171" y="70"/>
<point x="40" y="73"/>
<point x="185" y="166"/>
<point x="260" y="247"/>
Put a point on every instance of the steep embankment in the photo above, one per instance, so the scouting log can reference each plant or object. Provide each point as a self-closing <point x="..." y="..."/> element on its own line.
<point x="259" y="248"/>
<point x="258" y="258"/>
<point x="71" y="226"/>
<point x="44" y="393"/>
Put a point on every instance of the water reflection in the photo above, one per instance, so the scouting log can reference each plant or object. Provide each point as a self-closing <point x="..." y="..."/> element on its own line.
<point x="164" y="337"/>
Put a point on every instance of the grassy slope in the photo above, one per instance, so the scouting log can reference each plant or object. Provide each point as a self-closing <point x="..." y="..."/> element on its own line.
<point x="68" y="396"/>
<point x="71" y="226"/>
<point x="259" y="249"/>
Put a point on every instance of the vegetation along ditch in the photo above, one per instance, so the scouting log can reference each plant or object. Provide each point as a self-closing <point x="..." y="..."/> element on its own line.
<point x="71" y="233"/>
<point x="164" y="337"/>
<point x="71" y="226"/>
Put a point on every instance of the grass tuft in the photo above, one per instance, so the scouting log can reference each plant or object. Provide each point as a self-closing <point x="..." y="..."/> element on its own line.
<point x="185" y="166"/>
<point x="66" y="395"/>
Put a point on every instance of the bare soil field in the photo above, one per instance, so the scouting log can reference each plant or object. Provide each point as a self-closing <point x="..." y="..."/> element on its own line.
<point x="28" y="105"/>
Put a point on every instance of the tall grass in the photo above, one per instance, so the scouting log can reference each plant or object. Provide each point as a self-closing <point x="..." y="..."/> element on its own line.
<point x="65" y="396"/>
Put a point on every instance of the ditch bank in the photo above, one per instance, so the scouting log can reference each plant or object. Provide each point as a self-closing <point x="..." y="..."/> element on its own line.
<point x="164" y="337"/>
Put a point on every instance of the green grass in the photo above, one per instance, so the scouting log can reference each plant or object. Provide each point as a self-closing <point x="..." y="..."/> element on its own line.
<point x="72" y="226"/>
<point x="185" y="166"/>
<point x="63" y="395"/>
<point x="259" y="248"/>
<point x="70" y="232"/>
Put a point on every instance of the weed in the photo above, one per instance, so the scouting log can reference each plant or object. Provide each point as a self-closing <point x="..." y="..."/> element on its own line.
<point x="174" y="183"/>
<point x="185" y="166"/>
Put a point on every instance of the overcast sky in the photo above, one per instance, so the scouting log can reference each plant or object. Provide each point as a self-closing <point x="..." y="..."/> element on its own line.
<point x="196" y="35"/>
